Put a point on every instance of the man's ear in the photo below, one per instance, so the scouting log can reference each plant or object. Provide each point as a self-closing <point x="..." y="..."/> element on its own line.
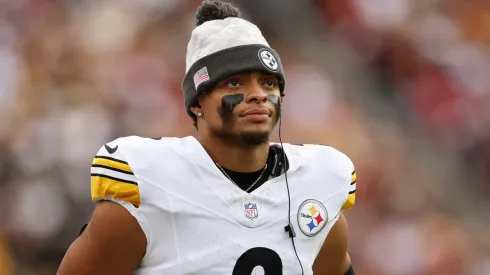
<point x="197" y="110"/>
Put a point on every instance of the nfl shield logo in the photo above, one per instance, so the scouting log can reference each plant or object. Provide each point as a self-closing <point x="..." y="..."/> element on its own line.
<point x="251" y="211"/>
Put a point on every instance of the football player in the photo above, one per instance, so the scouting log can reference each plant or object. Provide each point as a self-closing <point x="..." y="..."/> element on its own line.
<point x="229" y="201"/>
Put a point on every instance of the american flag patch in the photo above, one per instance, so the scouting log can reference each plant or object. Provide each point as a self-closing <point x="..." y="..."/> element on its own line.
<point x="201" y="76"/>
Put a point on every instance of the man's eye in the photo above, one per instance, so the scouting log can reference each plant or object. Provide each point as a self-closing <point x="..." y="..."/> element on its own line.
<point x="232" y="84"/>
<point x="270" y="83"/>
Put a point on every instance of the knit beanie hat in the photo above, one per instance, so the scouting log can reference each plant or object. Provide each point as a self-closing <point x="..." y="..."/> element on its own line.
<point x="222" y="45"/>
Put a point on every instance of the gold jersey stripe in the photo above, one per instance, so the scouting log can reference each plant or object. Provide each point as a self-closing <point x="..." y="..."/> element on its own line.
<point x="354" y="177"/>
<point x="103" y="187"/>
<point x="351" y="200"/>
<point x="112" y="162"/>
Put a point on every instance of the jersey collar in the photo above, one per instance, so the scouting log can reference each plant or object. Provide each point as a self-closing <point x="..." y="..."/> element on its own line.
<point x="201" y="158"/>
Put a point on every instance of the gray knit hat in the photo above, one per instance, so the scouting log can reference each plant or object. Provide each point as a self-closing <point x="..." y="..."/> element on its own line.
<point x="222" y="45"/>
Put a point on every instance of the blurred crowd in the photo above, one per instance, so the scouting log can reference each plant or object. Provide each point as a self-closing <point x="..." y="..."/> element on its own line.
<point x="401" y="86"/>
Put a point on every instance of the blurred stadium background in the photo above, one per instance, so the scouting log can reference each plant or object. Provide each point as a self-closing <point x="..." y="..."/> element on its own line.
<point x="401" y="86"/>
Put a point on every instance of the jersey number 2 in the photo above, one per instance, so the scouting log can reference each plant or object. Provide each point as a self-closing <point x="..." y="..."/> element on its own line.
<point x="265" y="257"/>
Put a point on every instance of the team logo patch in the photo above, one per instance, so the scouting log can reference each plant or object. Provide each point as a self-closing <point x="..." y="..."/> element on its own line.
<point x="268" y="59"/>
<point x="312" y="217"/>
<point x="251" y="211"/>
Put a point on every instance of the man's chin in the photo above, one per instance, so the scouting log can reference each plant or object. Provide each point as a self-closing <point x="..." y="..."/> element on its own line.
<point x="255" y="137"/>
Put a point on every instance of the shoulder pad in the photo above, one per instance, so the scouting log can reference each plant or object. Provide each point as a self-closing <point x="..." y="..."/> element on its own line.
<point x="345" y="168"/>
<point x="111" y="175"/>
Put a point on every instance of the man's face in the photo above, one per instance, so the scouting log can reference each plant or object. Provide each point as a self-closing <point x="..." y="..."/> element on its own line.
<point x="244" y="107"/>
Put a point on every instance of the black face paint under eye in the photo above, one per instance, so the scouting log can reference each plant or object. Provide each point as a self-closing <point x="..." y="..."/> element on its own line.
<point x="274" y="99"/>
<point x="229" y="102"/>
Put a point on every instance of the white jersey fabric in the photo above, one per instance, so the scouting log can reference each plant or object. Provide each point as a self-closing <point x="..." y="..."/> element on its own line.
<point x="197" y="222"/>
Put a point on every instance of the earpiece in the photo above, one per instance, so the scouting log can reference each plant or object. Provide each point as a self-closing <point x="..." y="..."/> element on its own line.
<point x="289" y="227"/>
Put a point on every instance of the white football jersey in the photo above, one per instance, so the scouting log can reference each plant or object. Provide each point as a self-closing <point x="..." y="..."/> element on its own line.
<point x="197" y="222"/>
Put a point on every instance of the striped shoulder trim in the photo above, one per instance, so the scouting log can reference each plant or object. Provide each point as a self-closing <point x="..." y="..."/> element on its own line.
<point x="113" y="178"/>
<point x="112" y="164"/>
<point x="353" y="183"/>
<point x="351" y="198"/>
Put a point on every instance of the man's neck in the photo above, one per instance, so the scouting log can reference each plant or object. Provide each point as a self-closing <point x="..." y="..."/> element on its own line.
<point x="237" y="158"/>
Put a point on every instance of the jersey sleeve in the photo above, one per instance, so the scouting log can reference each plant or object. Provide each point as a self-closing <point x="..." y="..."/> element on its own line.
<point x="112" y="178"/>
<point x="351" y="197"/>
<point x="346" y="171"/>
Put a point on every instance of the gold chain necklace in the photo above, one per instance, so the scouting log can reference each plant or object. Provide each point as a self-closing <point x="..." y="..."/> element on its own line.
<point x="251" y="186"/>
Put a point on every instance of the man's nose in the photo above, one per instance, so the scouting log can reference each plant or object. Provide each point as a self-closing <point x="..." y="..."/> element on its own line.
<point x="257" y="95"/>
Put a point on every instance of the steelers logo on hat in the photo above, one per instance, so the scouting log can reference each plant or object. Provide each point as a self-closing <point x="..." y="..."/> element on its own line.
<point x="268" y="59"/>
<point x="312" y="217"/>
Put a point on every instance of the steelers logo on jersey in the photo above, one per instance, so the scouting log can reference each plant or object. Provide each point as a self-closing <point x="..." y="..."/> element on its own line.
<point x="312" y="217"/>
